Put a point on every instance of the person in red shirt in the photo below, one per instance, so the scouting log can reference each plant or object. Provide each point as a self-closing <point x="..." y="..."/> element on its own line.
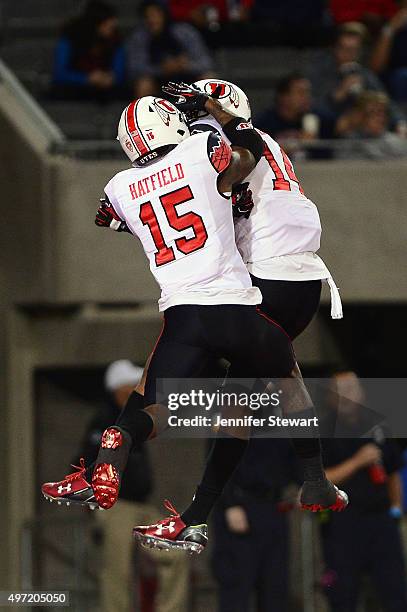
<point x="200" y="13"/>
<point x="371" y="12"/>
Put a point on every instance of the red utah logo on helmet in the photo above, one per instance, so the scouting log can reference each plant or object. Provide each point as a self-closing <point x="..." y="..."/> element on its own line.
<point x="223" y="90"/>
<point x="164" y="110"/>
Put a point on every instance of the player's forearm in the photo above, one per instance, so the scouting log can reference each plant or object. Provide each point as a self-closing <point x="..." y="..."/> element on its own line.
<point x="341" y="472"/>
<point x="221" y="115"/>
<point x="395" y="490"/>
<point x="381" y="53"/>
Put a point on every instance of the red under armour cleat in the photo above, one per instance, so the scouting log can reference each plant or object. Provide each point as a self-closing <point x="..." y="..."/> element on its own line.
<point x="106" y="476"/>
<point x="322" y="495"/>
<point x="172" y="533"/>
<point x="73" y="489"/>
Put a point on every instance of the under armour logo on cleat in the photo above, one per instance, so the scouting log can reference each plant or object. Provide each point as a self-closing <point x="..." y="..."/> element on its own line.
<point x="61" y="488"/>
<point x="161" y="528"/>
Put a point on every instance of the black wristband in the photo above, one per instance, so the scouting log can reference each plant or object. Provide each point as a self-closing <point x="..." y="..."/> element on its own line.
<point x="242" y="134"/>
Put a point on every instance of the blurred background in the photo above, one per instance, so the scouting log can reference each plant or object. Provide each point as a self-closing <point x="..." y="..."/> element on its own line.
<point x="328" y="80"/>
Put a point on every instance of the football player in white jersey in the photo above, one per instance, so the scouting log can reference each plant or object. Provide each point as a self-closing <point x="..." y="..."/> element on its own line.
<point x="277" y="230"/>
<point x="280" y="237"/>
<point x="176" y="199"/>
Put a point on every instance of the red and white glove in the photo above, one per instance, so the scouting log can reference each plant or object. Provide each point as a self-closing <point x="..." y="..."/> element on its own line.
<point x="187" y="97"/>
<point x="106" y="216"/>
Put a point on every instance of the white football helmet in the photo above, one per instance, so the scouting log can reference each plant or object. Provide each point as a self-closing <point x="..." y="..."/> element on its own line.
<point x="231" y="97"/>
<point x="148" y="124"/>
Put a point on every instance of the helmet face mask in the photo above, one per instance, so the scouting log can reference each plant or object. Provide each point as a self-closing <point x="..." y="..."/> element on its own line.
<point x="148" y="128"/>
<point x="231" y="97"/>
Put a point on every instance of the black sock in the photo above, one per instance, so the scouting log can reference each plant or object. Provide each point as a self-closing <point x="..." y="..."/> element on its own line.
<point x="223" y="459"/>
<point x="308" y="450"/>
<point x="142" y="427"/>
<point x="116" y="456"/>
<point x="135" y="420"/>
<point x="313" y="468"/>
<point x="305" y="448"/>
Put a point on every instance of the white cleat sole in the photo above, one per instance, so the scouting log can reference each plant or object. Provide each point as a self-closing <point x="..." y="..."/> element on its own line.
<point x="160" y="544"/>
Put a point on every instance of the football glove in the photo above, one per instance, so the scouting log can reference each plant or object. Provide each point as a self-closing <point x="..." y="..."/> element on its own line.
<point x="106" y="216"/>
<point x="187" y="97"/>
<point x="242" y="200"/>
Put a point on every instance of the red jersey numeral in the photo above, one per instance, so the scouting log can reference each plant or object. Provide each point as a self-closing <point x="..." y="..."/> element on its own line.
<point x="189" y="220"/>
<point x="148" y="217"/>
<point x="185" y="221"/>
<point x="280" y="182"/>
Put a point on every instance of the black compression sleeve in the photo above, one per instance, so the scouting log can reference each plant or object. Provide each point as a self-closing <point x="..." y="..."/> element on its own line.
<point x="242" y="134"/>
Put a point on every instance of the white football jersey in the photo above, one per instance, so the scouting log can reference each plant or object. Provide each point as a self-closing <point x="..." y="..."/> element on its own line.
<point x="283" y="220"/>
<point x="280" y="239"/>
<point x="185" y="225"/>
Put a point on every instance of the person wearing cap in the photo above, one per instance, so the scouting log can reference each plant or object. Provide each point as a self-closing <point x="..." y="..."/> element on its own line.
<point x="132" y="508"/>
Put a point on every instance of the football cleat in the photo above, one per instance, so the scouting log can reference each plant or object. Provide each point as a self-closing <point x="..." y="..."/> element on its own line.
<point x="172" y="533"/>
<point x="106" y="485"/>
<point x="322" y="495"/>
<point x="113" y="452"/>
<point x="73" y="489"/>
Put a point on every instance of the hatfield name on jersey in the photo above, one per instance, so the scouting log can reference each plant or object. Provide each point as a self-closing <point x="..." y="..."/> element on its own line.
<point x="157" y="180"/>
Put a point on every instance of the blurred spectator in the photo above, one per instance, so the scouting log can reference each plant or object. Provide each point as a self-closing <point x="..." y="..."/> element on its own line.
<point x="249" y="559"/>
<point x="373" y="13"/>
<point x="389" y="55"/>
<point x="131" y="509"/>
<point x="365" y="539"/>
<point x="338" y="77"/>
<point x="208" y="15"/>
<point x="161" y="51"/>
<point x="369" y="121"/>
<point x="221" y="22"/>
<point x="293" y="115"/>
<point x="89" y="57"/>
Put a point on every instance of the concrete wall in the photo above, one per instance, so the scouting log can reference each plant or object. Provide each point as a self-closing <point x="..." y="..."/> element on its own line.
<point x="91" y="263"/>
<point x="361" y="206"/>
<point x="364" y="214"/>
<point x="54" y="252"/>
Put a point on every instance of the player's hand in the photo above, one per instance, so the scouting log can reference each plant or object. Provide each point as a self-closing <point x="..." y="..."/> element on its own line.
<point x="242" y="200"/>
<point x="367" y="455"/>
<point x="236" y="520"/>
<point x="351" y="84"/>
<point x="186" y="97"/>
<point x="106" y="217"/>
<point x="101" y="79"/>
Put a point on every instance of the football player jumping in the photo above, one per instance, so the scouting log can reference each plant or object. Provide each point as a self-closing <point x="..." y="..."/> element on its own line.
<point x="175" y="199"/>
<point x="278" y="230"/>
<point x="277" y="235"/>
